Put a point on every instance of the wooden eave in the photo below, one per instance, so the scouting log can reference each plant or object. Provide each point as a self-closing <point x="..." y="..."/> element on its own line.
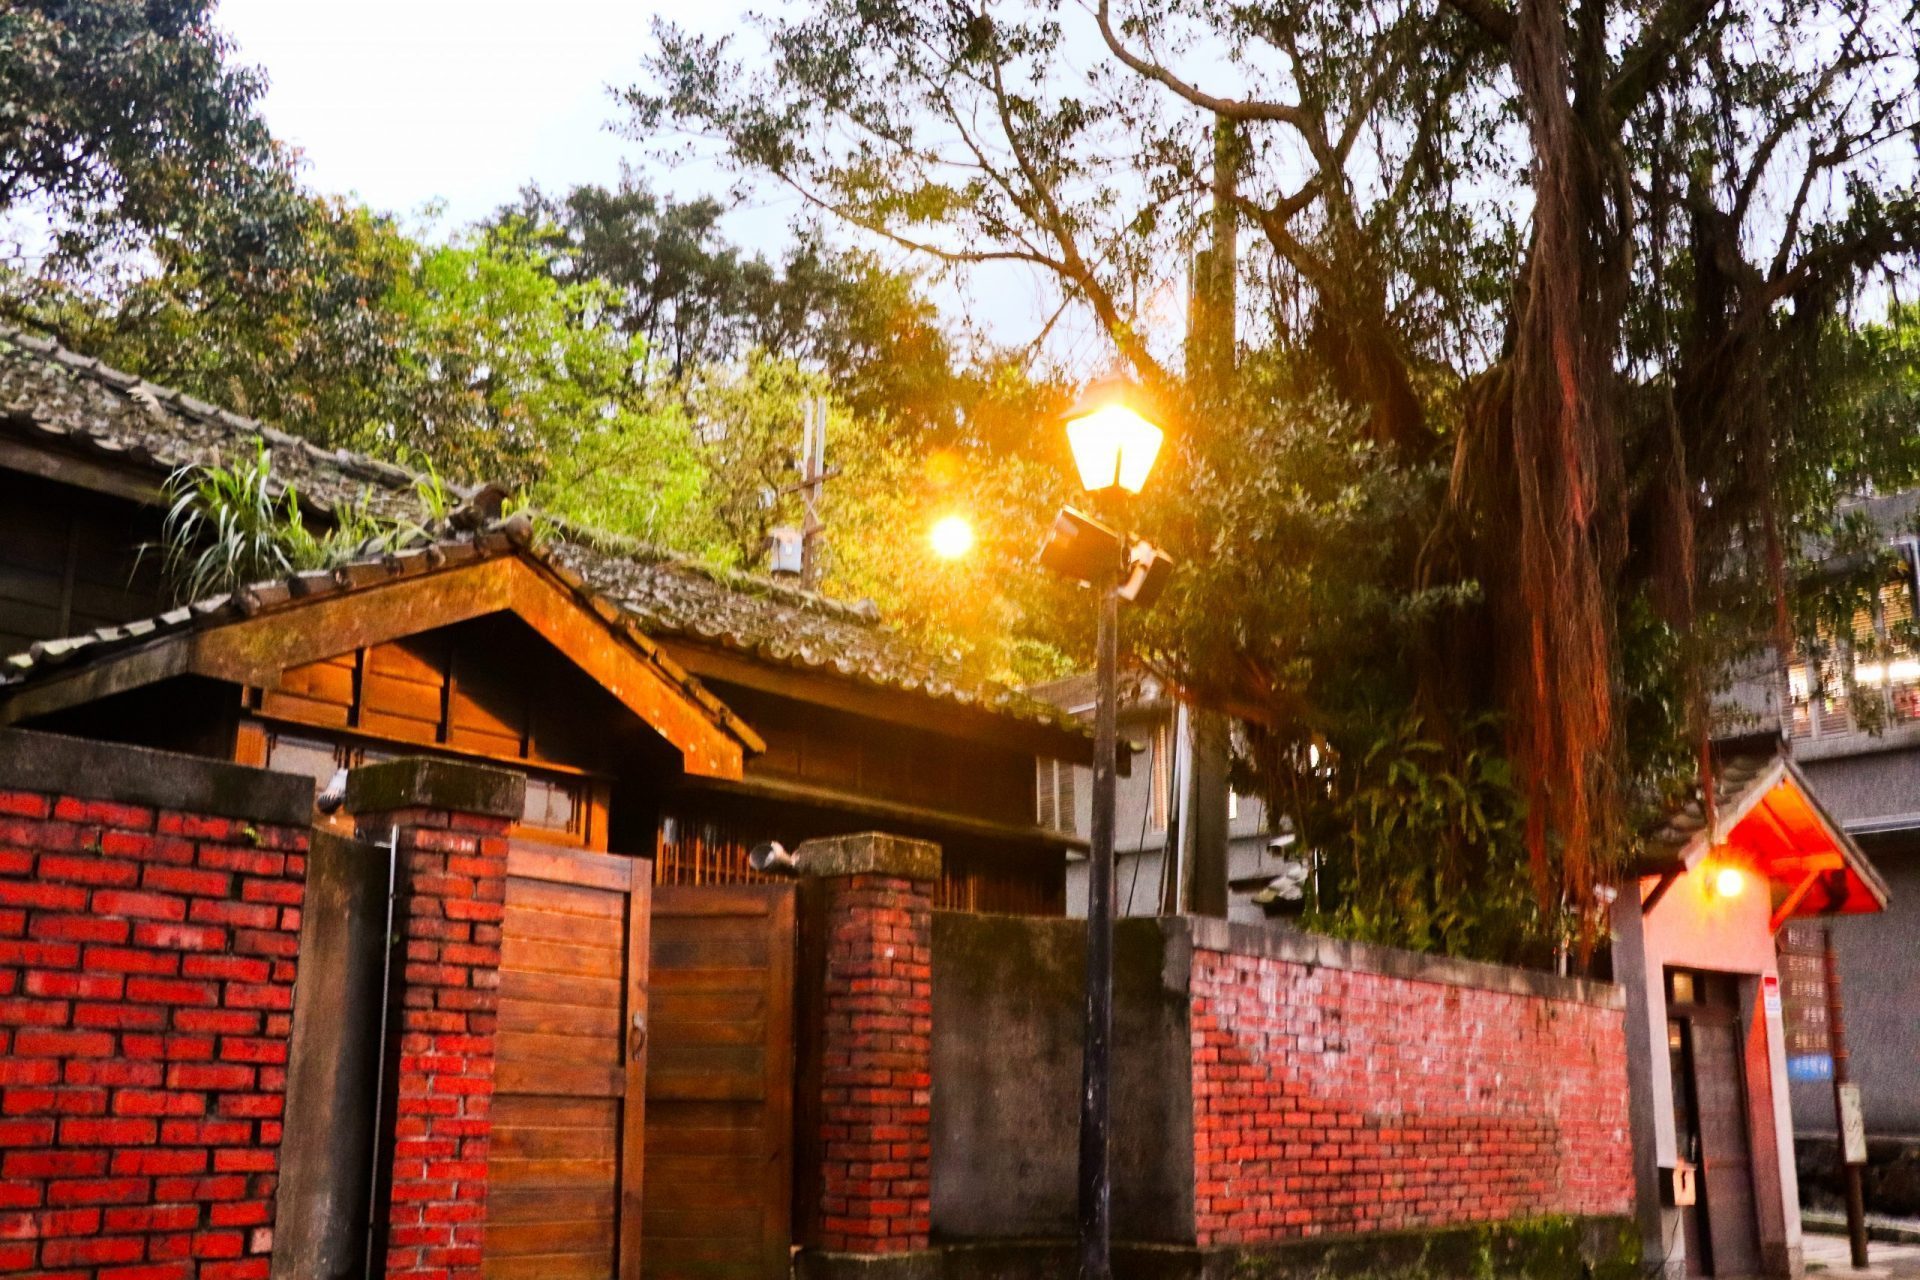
<point x="83" y="467"/>
<point x="256" y="650"/>
<point x="892" y="706"/>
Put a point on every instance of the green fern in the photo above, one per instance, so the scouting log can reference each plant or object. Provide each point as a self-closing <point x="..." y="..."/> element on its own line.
<point x="231" y="524"/>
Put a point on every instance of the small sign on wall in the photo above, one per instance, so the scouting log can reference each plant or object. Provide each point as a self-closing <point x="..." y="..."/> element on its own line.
<point x="1809" y="1068"/>
<point x="1853" y="1124"/>
<point x="1770" y="994"/>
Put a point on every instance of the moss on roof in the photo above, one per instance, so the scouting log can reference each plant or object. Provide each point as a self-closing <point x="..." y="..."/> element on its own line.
<point x="65" y="400"/>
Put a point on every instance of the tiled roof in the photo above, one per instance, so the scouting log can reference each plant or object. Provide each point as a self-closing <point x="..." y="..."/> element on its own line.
<point x="506" y="538"/>
<point x="56" y="396"/>
<point x="1736" y="778"/>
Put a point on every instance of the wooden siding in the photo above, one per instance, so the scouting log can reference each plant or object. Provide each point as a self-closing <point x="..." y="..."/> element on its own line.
<point x="70" y="561"/>
<point x="824" y="747"/>
<point x="708" y="845"/>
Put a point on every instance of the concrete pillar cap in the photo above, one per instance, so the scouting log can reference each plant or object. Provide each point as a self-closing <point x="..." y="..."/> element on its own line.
<point x="420" y="782"/>
<point x="874" y="853"/>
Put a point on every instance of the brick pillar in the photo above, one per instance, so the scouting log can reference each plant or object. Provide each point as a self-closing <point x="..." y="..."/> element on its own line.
<point x="450" y="889"/>
<point x="872" y="910"/>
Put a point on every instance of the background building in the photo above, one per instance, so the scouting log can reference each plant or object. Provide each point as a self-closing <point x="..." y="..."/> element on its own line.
<point x="1172" y="773"/>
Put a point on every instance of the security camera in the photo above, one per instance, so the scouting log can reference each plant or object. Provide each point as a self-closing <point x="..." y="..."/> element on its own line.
<point x="772" y="858"/>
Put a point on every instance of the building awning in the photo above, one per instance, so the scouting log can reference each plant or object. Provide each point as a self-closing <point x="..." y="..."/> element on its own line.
<point x="1769" y="821"/>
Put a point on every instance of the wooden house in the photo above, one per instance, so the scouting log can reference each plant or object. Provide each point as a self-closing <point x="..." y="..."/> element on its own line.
<point x="666" y="716"/>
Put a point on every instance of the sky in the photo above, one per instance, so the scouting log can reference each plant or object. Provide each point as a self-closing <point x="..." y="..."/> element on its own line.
<point x="462" y="102"/>
<point x="402" y="102"/>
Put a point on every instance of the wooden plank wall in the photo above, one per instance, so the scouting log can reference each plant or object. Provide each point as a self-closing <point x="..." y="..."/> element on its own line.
<point x="70" y="562"/>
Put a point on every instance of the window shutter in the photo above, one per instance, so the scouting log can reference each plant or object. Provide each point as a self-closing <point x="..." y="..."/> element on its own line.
<point x="1044" y="807"/>
<point x="1064" y="806"/>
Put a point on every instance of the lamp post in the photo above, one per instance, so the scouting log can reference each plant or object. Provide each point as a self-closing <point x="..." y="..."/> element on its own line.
<point x="1114" y="449"/>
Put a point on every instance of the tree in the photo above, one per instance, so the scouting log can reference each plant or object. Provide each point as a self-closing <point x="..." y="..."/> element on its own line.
<point x="128" y="120"/>
<point x="1571" y="437"/>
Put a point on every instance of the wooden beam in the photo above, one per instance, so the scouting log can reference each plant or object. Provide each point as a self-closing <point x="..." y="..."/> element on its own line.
<point x="1652" y="900"/>
<point x="892" y="706"/>
<point x="1792" y="901"/>
<point x="82" y="472"/>
<point x="257" y="650"/>
<point x="885" y="811"/>
<point x="90" y="682"/>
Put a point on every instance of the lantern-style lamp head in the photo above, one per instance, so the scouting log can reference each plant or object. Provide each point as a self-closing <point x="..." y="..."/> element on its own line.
<point x="1114" y="447"/>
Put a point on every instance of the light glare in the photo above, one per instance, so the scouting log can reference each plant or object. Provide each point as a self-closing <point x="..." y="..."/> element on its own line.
<point x="952" y="537"/>
<point x="1729" y="882"/>
<point x="1113" y="445"/>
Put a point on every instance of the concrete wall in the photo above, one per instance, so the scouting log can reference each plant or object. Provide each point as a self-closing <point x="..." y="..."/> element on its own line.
<point x="1879" y="957"/>
<point x="1693" y="928"/>
<point x="1008" y="1014"/>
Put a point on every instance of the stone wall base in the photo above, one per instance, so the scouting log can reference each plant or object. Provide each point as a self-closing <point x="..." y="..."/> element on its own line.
<point x="1891" y="1179"/>
<point x="1603" y="1248"/>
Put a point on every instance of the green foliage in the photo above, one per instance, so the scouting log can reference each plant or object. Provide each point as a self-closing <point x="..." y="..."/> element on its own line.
<point x="234" y="524"/>
<point x="1422" y="847"/>
<point x="1526" y="380"/>
<point x="125" y="121"/>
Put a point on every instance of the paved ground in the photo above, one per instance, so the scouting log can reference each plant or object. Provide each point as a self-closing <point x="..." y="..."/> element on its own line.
<point x="1828" y="1256"/>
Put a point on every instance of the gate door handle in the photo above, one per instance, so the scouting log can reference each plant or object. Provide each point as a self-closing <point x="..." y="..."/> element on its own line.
<point x="637" y="1042"/>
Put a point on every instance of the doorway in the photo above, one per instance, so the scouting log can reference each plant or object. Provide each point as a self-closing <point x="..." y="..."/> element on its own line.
<point x="1704" y="1046"/>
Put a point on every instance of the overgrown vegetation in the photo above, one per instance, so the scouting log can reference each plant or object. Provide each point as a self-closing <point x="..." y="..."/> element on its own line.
<point x="230" y="525"/>
<point x="1526" y="357"/>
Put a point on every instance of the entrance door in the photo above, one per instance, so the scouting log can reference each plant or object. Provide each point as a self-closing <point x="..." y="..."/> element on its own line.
<point x="1722" y="1230"/>
<point x="569" y="1106"/>
<point x="719" y="1128"/>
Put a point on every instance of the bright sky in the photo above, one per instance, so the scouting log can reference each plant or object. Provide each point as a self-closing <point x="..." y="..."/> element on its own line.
<point x="406" y="101"/>
<point x="402" y="102"/>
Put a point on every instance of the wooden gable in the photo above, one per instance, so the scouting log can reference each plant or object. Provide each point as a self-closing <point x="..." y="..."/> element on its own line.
<point x="336" y="648"/>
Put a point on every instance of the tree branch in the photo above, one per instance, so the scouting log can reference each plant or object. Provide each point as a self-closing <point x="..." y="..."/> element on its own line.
<point x="1242" y="109"/>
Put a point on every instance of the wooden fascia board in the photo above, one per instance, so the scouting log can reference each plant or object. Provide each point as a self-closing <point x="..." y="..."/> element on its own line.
<point x="898" y="707"/>
<point x="133" y="481"/>
<point x="257" y="650"/>
<point x="1850" y="851"/>
<point x="608" y="655"/>
<point x="148" y="664"/>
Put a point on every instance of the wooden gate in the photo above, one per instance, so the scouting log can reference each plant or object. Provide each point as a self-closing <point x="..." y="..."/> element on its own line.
<point x="569" y="1107"/>
<point x="719" y="1117"/>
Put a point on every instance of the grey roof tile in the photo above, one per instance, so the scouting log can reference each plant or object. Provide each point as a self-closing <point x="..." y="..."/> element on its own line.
<point x="49" y="390"/>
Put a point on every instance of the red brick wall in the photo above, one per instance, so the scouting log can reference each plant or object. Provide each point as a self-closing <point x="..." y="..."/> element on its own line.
<point x="876" y="1057"/>
<point x="454" y="869"/>
<point x="146" y="989"/>
<point x="1335" y="1101"/>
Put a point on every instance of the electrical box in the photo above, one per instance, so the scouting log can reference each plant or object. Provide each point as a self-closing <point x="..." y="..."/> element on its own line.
<point x="1678" y="1185"/>
<point x="788" y="556"/>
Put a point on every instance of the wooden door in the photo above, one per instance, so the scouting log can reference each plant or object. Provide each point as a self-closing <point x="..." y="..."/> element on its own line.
<point x="569" y="1103"/>
<point x="719" y="1136"/>
<point x="1722" y="1229"/>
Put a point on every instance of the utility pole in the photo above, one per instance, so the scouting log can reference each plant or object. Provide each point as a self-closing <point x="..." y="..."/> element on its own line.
<point x="813" y="483"/>
<point x="1846" y="1110"/>
<point x="1194" y="875"/>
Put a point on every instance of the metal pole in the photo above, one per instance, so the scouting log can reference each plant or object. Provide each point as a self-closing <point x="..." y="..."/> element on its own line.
<point x="1096" y="1191"/>
<point x="1842" y="1075"/>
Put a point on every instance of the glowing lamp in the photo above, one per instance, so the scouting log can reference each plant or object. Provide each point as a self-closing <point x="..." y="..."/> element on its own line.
<point x="1729" y="882"/>
<point x="952" y="537"/>
<point x="1114" y="447"/>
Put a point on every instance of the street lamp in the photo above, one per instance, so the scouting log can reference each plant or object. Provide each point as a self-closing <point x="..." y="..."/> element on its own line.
<point x="1114" y="448"/>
